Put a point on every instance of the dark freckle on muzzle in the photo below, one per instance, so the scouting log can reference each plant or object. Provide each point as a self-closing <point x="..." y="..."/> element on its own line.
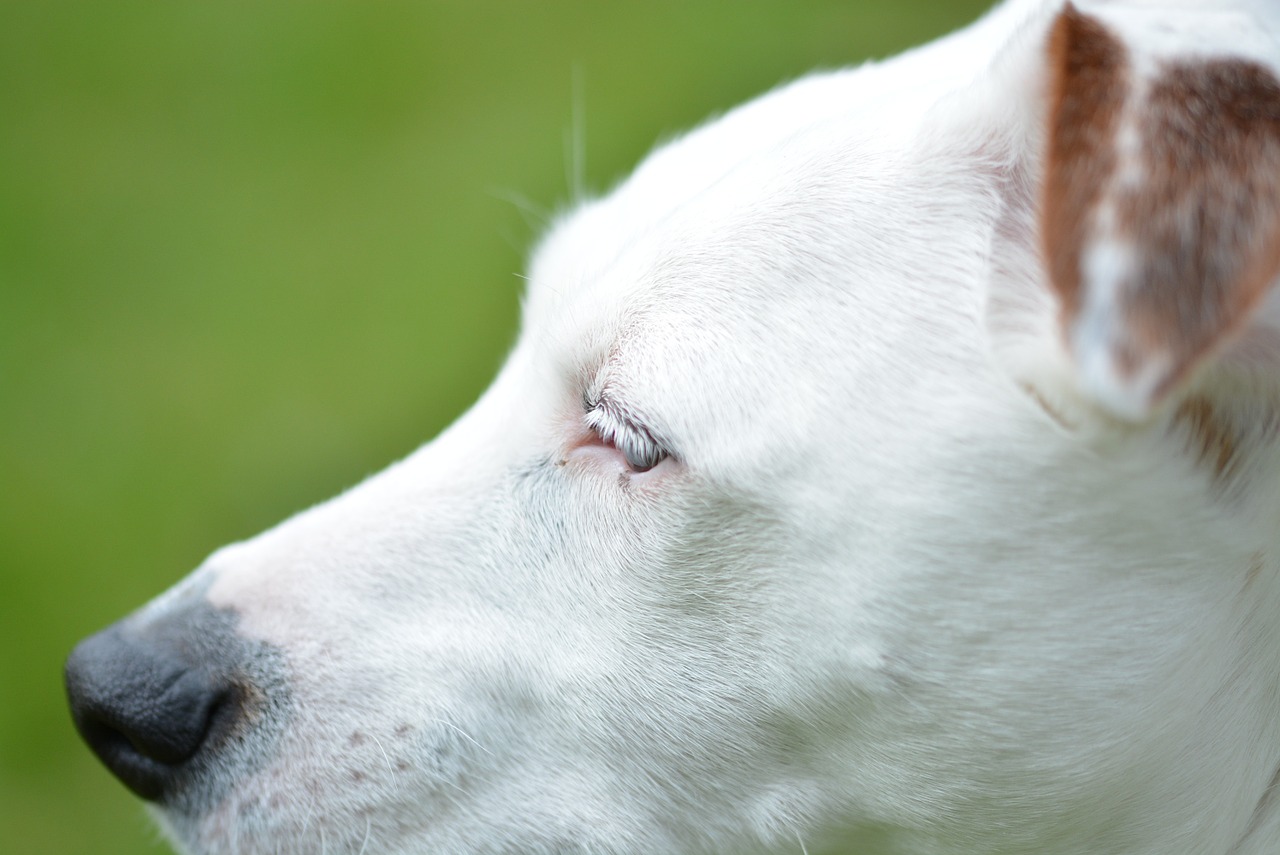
<point x="175" y="703"/>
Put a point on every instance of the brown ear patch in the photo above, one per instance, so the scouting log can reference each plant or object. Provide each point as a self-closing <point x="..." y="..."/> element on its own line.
<point x="1088" y="92"/>
<point x="1207" y="223"/>
<point x="1176" y="173"/>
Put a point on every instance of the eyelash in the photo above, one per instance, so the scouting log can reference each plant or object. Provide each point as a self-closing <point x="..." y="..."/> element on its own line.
<point x="638" y="447"/>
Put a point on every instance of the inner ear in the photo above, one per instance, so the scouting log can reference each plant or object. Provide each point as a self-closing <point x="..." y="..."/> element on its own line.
<point x="1160" y="215"/>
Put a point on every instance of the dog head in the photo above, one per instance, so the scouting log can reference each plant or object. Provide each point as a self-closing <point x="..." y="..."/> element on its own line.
<point x="889" y="464"/>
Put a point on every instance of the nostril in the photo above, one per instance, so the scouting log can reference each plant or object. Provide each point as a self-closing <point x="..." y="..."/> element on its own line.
<point x="142" y="710"/>
<point x="167" y="725"/>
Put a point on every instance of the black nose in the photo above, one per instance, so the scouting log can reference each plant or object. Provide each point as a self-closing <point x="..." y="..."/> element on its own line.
<point x="143" y="709"/>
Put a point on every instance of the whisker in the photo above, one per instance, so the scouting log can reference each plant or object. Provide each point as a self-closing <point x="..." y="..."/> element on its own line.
<point x="463" y="734"/>
<point x="536" y="217"/>
<point x="306" y="820"/>
<point x="368" y="828"/>
<point x="385" y="756"/>
<point x="576" y="137"/>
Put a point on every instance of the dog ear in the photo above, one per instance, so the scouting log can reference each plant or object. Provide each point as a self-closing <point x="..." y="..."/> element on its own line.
<point x="1159" y="215"/>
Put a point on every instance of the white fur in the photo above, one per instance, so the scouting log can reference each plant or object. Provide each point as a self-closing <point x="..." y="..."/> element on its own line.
<point x="878" y="600"/>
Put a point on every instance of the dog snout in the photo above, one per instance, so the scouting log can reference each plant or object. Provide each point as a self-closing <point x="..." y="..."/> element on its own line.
<point x="147" y="706"/>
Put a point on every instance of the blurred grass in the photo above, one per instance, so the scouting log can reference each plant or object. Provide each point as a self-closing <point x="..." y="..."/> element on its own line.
<point x="251" y="252"/>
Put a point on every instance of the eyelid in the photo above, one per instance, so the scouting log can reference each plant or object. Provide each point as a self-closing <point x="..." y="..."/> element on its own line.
<point x="639" y="447"/>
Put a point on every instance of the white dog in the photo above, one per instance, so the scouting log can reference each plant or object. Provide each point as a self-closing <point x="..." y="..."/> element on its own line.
<point x="890" y="466"/>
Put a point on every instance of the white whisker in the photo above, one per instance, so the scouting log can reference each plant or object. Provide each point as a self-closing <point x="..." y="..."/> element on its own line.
<point x="306" y="820"/>
<point x="368" y="828"/>
<point x="576" y="139"/>
<point x="462" y="733"/>
<point x="387" y="757"/>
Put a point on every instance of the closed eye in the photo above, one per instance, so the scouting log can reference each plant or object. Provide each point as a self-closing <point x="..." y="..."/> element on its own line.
<point x="638" y="446"/>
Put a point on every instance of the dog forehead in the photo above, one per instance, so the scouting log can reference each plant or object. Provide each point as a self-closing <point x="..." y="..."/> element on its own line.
<point x="712" y="287"/>
<point x="754" y="160"/>
<point x="735" y="213"/>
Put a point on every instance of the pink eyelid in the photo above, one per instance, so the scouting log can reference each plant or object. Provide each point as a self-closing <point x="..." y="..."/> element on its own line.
<point x="587" y="444"/>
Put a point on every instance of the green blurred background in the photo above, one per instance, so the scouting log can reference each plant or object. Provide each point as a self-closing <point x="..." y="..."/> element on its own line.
<point x="251" y="252"/>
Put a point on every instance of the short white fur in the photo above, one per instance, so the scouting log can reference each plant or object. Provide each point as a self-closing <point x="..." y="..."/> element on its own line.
<point x="903" y="589"/>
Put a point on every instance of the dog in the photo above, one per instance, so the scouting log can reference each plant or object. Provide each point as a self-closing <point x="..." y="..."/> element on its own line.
<point x="889" y="466"/>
